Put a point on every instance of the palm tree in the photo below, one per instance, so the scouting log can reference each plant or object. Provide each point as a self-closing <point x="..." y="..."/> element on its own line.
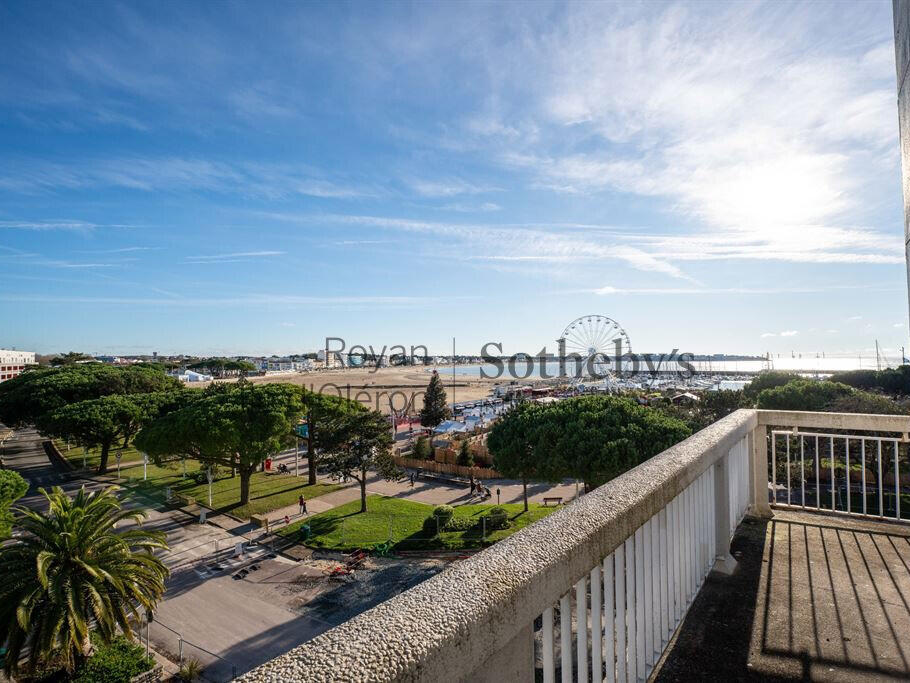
<point x="72" y="572"/>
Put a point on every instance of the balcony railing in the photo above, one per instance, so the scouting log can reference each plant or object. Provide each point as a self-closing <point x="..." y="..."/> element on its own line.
<point x="596" y="590"/>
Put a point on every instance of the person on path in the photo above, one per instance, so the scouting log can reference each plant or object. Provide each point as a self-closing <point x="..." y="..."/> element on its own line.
<point x="302" y="503"/>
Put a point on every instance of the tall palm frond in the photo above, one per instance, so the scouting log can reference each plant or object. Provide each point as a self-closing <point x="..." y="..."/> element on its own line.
<point x="71" y="573"/>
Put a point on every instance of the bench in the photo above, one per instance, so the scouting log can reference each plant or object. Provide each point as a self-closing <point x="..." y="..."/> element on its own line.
<point x="556" y="500"/>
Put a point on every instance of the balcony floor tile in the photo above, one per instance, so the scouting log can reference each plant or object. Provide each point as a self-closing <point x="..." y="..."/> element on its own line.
<point x="814" y="597"/>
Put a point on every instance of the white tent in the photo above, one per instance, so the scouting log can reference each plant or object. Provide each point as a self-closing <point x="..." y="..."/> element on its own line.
<point x="450" y="426"/>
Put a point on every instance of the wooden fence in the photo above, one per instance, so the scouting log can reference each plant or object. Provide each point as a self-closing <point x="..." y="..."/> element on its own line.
<point x="447" y="468"/>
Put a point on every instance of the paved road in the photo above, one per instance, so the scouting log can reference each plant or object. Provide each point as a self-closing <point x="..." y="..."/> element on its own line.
<point x="24" y="453"/>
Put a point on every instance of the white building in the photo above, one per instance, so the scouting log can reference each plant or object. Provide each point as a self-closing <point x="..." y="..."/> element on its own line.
<point x="12" y="363"/>
<point x="331" y="360"/>
<point x="190" y="376"/>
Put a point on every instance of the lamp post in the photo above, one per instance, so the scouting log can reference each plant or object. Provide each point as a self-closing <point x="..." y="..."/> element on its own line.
<point x="117" y="457"/>
<point x="84" y="455"/>
<point x="297" y="458"/>
<point x="149" y="618"/>
<point x="145" y="466"/>
<point x="208" y="475"/>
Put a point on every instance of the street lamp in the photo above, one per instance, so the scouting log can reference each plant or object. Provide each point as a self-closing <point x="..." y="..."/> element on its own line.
<point x="149" y="618"/>
<point x="208" y="475"/>
<point x="118" y="456"/>
<point x="145" y="466"/>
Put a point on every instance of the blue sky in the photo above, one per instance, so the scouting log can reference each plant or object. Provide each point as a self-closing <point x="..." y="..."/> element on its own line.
<point x="251" y="178"/>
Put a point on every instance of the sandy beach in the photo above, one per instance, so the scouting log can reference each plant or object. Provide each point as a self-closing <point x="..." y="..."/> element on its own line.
<point x="380" y="388"/>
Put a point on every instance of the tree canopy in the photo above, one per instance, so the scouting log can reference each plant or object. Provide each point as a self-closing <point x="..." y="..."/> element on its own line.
<point x="712" y="406"/>
<point x="221" y="367"/>
<point x="767" y="380"/>
<point x="356" y="442"/>
<point x="894" y="381"/>
<point x="12" y="488"/>
<point x="26" y="398"/>
<point x="591" y="438"/>
<point x="101" y="422"/>
<point x="322" y="409"/>
<point x="807" y="394"/>
<point x="70" y="358"/>
<point x="237" y="426"/>
<point x="71" y="573"/>
<point x="435" y="403"/>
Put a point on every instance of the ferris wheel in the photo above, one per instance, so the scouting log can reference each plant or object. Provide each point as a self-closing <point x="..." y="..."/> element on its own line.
<point x="599" y="340"/>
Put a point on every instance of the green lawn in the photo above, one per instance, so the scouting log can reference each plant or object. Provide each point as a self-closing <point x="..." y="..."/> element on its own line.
<point x="346" y="528"/>
<point x="267" y="491"/>
<point x="93" y="459"/>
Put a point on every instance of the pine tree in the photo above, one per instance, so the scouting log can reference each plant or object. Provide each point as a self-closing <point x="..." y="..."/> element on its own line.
<point x="435" y="404"/>
<point x="465" y="457"/>
<point x="422" y="449"/>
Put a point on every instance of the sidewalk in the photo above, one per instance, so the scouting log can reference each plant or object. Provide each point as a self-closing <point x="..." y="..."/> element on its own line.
<point x="428" y="491"/>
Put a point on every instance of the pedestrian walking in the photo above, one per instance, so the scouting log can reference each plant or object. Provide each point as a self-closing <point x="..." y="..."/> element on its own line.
<point x="287" y="520"/>
<point x="302" y="503"/>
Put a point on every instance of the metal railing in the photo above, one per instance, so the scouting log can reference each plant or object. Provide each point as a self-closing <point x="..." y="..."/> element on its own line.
<point x="853" y="474"/>
<point x="169" y="642"/>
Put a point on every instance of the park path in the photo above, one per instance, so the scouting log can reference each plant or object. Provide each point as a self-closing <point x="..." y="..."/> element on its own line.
<point x="427" y="490"/>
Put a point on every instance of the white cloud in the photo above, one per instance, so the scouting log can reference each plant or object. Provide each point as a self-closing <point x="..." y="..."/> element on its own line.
<point x="768" y="334"/>
<point x="462" y="207"/>
<point x="491" y="242"/>
<point x="234" y="257"/>
<point x="67" y="225"/>
<point x="719" y="113"/>
<point x="448" y="187"/>
<point x="898" y="325"/>
<point x="178" y="174"/>
<point x="789" y="333"/>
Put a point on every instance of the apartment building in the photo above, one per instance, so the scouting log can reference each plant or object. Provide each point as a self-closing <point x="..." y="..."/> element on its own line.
<point x="12" y="362"/>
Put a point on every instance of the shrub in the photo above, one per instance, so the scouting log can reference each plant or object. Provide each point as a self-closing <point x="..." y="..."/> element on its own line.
<point x="443" y="513"/>
<point x="190" y="670"/>
<point x="114" y="663"/>
<point x="422" y="450"/>
<point x="465" y="457"/>
<point x="430" y="527"/>
<point x="497" y="518"/>
<point x="461" y="523"/>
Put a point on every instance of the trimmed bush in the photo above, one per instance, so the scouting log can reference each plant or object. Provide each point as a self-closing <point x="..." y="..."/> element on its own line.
<point x="461" y="523"/>
<point x="443" y="513"/>
<point x="114" y="663"/>
<point x="497" y="518"/>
